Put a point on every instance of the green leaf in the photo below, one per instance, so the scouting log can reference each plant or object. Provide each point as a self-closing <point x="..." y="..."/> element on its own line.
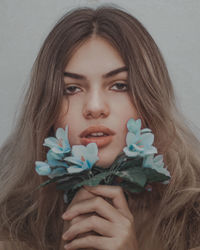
<point x="154" y="176"/>
<point x="94" y="181"/>
<point x="134" y="176"/>
<point x="130" y="163"/>
<point x="74" y="183"/>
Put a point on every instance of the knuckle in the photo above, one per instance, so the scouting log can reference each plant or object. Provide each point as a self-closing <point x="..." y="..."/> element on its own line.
<point x="79" y="218"/>
<point x="93" y="220"/>
<point x="119" y="190"/>
<point x="75" y="220"/>
<point x="97" y="201"/>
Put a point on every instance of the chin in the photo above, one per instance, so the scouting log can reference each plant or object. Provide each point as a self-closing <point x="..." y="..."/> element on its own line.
<point x="105" y="159"/>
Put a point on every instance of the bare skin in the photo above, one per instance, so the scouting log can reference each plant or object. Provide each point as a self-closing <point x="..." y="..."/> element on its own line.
<point x="99" y="218"/>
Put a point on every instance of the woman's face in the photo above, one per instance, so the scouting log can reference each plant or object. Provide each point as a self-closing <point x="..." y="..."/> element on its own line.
<point x="97" y="100"/>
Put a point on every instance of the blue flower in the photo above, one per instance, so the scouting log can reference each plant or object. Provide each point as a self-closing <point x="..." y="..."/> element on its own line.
<point x="59" y="171"/>
<point x="156" y="163"/>
<point x="139" y="144"/>
<point x="134" y="126"/>
<point x="60" y="144"/>
<point x="42" y="168"/>
<point x="84" y="157"/>
<point x="54" y="159"/>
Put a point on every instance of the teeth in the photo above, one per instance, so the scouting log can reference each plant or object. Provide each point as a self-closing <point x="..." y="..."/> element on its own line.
<point x="96" y="134"/>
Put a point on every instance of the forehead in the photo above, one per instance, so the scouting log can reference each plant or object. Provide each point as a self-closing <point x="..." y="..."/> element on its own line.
<point x="95" y="56"/>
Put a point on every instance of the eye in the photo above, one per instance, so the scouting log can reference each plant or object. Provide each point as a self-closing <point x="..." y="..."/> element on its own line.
<point x="70" y="90"/>
<point x="120" y="86"/>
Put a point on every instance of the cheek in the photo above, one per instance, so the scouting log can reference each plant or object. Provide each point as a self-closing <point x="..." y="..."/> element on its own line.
<point x="124" y="108"/>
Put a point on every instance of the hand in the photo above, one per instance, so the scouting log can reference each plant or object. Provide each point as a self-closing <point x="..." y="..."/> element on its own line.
<point x="114" y="223"/>
<point x="80" y="195"/>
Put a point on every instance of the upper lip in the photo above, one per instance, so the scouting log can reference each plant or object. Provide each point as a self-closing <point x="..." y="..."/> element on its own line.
<point x="95" y="129"/>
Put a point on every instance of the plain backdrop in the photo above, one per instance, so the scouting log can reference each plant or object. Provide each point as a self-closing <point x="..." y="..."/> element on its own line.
<point x="24" y="24"/>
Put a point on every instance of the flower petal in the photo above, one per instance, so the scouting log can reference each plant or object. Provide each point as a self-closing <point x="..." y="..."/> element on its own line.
<point x="91" y="154"/>
<point x="150" y="150"/>
<point x="92" y="148"/>
<point x="55" y="159"/>
<point x="134" y="126"/>
<point x="130" y="153"/>
<point x="146" y="130"/>
<point x="148" y="161"/>
<point x="158" y="159"/>
<point x="74" y="160"/>
<point x="42" y="168"/>
<point x="163" y="171"/>
<point x="50" y="142"/>
<point x="57" y="172"/>
<point x="74" y="169"/>
<point x="78" y="151"/>
<point x="131" y="138"/>
<point x="53" y="156"/>
<point x="146" y="139"/>
<point x="57" y="150"/>
<point x="137" y="148"/>
<point x="60" y="133"/>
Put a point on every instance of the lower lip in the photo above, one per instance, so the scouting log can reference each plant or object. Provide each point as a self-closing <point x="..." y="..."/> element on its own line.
<point x="100" y="141"/>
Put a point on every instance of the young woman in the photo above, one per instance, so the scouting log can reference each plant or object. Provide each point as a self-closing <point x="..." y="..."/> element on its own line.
<point x="96" y="69"/>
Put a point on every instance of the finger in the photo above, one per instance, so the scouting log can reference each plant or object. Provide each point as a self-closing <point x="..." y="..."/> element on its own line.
<point x="79" y="218"/>
<point x="96" y="242"/>
<point x="93" y="223"/>
<point x="81" y="194"/>
<point x="98" y="205"/>
<point x="115" y="193"/>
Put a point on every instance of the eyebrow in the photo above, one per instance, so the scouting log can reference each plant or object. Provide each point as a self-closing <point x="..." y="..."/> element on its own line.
<point x="107" y="75"/>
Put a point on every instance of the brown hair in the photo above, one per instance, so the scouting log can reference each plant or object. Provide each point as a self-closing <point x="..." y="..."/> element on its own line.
<point x="35" y="217"/>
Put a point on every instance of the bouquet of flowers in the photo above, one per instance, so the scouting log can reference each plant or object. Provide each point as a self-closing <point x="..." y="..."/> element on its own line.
<point x="134" y="169"/>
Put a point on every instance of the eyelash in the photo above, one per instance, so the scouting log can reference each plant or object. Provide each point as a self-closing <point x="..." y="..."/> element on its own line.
<point x="118" y="83"/>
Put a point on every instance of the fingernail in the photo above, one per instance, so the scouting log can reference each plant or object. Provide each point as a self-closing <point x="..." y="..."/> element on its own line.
<point x="67" y="247"/>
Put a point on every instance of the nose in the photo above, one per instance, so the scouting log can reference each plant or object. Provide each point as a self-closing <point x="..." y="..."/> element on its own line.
<point x="96" y="105"/>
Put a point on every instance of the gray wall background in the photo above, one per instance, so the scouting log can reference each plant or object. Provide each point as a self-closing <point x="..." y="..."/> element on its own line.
<point x="24" y="24"/>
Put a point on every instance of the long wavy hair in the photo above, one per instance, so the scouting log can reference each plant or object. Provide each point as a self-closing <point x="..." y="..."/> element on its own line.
<point x="33" y="219"/>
